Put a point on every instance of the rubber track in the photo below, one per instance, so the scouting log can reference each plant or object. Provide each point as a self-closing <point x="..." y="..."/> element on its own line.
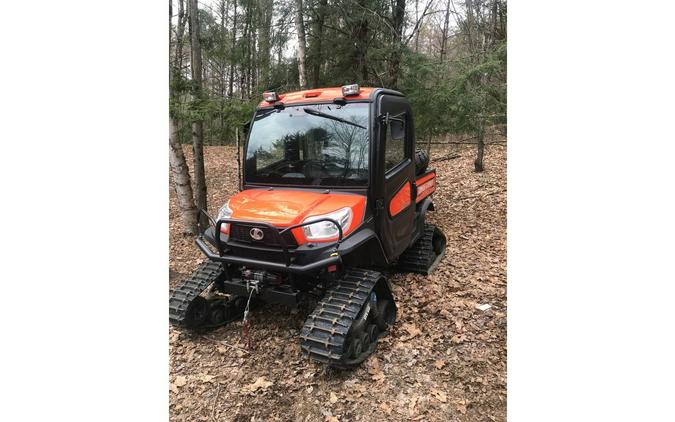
<point x="190" y="288"/>
<point x="324" y="334"/>
<point x="420" y="257"/>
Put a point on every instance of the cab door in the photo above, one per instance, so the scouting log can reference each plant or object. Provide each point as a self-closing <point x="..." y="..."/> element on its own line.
<point x="396" y="171"/>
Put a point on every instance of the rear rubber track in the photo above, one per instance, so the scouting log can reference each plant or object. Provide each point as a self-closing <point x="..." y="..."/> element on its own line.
<point x="421" y="257"/>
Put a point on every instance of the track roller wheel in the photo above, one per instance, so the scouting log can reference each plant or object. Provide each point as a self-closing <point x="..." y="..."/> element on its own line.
<point x="373" y="331"/>
<point x="197" y="312"/>
<point x="219" y="313"/>
<point x="357" y="348"/>
<point x="386" y="314"/>
<point x="365" y="340"/>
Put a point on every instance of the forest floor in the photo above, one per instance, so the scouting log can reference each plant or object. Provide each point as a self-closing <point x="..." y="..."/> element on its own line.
<point x="443" y="360"/>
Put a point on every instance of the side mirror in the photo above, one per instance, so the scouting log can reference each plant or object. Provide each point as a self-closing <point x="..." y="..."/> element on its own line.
<point x="397" y="129"/>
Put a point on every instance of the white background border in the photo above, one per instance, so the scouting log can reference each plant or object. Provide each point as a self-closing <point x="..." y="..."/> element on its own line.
<point x="85" y="221"/>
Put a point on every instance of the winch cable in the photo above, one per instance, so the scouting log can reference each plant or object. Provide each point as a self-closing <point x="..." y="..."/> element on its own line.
<point x="245" y="324"/>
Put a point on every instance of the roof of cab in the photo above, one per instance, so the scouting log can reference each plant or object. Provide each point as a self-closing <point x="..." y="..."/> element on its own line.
<point x="317" y="95"/>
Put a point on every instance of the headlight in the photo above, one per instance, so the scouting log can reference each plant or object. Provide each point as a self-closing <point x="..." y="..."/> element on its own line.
<point x="325" y="229"/>
<point x="224" y="212"/>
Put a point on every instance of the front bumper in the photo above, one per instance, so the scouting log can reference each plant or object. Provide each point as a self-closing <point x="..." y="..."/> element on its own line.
<point x="287" y="266"/>
<point x="298" y="260"/>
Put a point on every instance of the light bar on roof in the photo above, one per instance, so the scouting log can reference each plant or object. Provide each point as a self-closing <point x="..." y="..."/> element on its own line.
<point x="270" y="96"/>
<point x="352" y="89"/>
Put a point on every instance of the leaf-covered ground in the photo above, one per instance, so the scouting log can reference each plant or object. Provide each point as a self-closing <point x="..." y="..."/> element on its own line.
<point x="444" y="360"/>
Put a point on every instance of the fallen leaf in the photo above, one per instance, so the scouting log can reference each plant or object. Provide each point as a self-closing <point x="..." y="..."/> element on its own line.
<point x="412" y="330"/>
<point x="332" y="419"/>
<point x="260" y="384"/>
<point x="411" y="405"/>
<point x="461" y="405"/>
<point x="206" y="378"/>
<point x="374" y="367"/>
<point x="180" y="381"/>
<point x="385" y="408"/>
<point x="440" y="363"/>
<point x="458" y="338"/>
<point x="173" y="388"/>
<point x="333" y="398"/>
<point x="439" y="395"/>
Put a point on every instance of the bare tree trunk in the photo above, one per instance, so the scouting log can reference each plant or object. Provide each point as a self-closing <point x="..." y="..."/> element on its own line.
<point x="359" y="50"/>
<point x="233" y="46"/>
<point x="252" y="59"/>
<point x="236" y="134"/>
<point x="398" y="20"/>
<point x="321" y="17"/>
<point x="444" y="31"/>
<point x="266" y="9"/>
<point x="417" y="35"/>
<point x="179" y="168"/>
<point x="246" y="64"/>
<point x="478" y="164"/>
<point x="198" y="124"/>
<point x="181" y="183"/>
<point x="302" y="44"/>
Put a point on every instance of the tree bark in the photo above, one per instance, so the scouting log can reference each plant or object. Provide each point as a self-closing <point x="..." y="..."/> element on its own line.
<point x="444" y="32"/>
<point x="246" y="65"/>
<point x="179" y="169"/>
<point x="360" y="46"/>
<point x="398" y="20"/>
<point x="478" y="164"/>
<point x="266" y="9"/>
<point x="181" y="183"/>
<point x="233" y="46"/>
<point x="318" y="50"/>
<point x="302" y="44"/>
<point x="197" y="123"/>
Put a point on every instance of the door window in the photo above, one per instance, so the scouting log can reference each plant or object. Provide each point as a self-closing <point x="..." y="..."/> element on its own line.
<point x="394" y="148"/>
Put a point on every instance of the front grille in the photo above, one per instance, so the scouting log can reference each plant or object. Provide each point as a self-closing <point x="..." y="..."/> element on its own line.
<point x="241" y="233"/>
<point x="259" y="254"/>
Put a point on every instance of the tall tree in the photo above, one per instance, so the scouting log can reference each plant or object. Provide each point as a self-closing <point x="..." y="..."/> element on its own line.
<point x="444" y="31"/>
<point x="198" y="122"/>
<point x="179" y="168"/>
<point x="233" y="46"/>
<point x="318" y="48"/>
<point x="398" y="21"/>
<point x="266" y="8"/>
<point x="302" y="43"/>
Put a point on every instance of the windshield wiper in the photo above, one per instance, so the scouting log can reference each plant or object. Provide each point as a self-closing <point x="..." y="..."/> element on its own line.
<point x="330" y="116"/>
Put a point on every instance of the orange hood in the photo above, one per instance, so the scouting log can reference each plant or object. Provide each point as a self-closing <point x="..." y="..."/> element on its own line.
<point x="284" y="208"/>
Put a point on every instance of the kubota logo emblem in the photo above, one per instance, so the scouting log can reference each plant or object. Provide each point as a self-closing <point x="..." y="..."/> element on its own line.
<point x="256" y="233"/>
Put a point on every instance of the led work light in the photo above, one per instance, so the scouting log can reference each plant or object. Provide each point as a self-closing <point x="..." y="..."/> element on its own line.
<point x="350" y="89"/>
<point x="270" y="96"/>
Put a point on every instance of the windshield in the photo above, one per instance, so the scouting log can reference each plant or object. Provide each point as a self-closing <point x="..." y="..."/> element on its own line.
<point x="309" y="144"/>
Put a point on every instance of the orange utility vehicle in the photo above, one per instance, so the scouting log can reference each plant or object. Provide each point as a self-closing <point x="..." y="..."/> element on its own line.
<point x="333" y="192"/>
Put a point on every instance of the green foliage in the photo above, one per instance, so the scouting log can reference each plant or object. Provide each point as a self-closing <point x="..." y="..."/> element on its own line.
<point x="348" y="41"/>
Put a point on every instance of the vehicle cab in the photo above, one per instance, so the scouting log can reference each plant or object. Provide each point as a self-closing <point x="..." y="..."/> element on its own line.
<point x="324" y="169"/>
